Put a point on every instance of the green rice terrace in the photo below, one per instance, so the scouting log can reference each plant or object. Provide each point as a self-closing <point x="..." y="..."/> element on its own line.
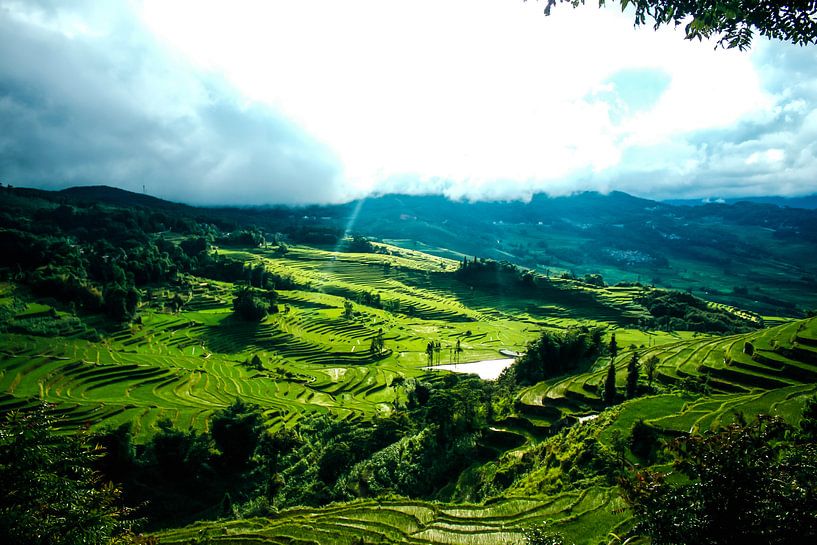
<point x="252" y="391"/>
<point x="183" y="365"/>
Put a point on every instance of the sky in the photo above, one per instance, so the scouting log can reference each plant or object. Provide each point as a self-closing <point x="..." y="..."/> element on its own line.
<point x="318" y="101"/>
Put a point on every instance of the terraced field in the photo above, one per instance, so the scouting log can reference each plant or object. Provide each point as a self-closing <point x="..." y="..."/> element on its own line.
<point x="772" y="371"/>
<point x="578" y="515"/>
<point x="184" y="365"/>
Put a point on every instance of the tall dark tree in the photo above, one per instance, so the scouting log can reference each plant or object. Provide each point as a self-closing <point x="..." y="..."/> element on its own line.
<point x="650" y="367"/>
<point x="613" y="346"/>
<point x="378" y="343"/>
<point x="610" y="385"/>
<point x="632" y="376"/>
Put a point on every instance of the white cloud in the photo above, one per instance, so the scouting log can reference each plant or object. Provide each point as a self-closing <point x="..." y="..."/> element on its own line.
<point x="774" y="155"/>
<point x="474" y="93"/>
<point x="472" y="98"/>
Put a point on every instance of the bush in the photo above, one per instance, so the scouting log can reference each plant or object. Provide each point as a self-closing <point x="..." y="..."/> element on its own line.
<point x="643" y="440"/>
<point x="744" y="484"/>
<point x="541" y="535"/>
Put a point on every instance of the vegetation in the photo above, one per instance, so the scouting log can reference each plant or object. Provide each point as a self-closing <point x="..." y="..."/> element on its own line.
<point x="747" y="483"/>
<point x="675" y="310"/>
<point x="297" y="395"/>
<point x="556" y="353"/>
<point x="252" y="306"/>
<point x="632" y="376"/>
<point x="49" y="492"/>
<point x="733" y="23"/>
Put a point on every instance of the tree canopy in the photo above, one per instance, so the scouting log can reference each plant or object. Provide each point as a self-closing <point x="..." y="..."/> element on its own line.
<point x="733" y="22"/>
<point x="748" y="483"/>
<point x="49" y="492"/>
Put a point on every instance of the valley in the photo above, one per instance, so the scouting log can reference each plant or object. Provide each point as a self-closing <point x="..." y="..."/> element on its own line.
<point x="360" y="334"/>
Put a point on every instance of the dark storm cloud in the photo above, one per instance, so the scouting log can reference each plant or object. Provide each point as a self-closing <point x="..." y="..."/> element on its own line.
<point x="108" y="106"/>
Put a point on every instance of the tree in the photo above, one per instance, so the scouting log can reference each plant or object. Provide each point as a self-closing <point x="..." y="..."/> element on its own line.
<point x="733" y="22"/>
<point x="377" y="342"/>
<point x="121" y="303"/>
<point x="236" y="430"/>
<point x="256" y="363"/>
<point x="744" y="484"/>
<point x="808" y="425"/>
<point x="557" y="352"/>
<point x="594" y="280"/>
<point x="178" y="456"/>
<point x="249" y="306"/>
<point x="650" y="367"/>
<point x="610" y="385"/>
<point x="49" y="491"/>
<point x="194" y="246"/>
<point x="348" y="309"/>
<point x="643" y="440"/>
<point x="632" y="376"/>
<point x="613" y="346"/>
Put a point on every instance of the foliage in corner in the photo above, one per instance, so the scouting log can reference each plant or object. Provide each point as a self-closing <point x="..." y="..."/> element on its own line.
<point x="50" y="493"/>
<point x="733" y="22"/>
<point x="748" y="483"/>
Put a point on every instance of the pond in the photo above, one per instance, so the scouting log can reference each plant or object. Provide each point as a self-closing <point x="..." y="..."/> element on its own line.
<point x="486" y="369"/>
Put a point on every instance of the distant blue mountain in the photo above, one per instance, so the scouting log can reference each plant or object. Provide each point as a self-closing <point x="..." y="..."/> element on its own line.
<point x="807" y="201"/>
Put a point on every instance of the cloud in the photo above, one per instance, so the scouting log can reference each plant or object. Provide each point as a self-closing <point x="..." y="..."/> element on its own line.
<point x="771" y="150"/>
<point x="251" y="102"/>
<point x="87" y="100"/>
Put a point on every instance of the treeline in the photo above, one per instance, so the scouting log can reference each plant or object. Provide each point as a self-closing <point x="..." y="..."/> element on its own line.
<point x="675" y="310"/>
<point x="487" y="273"/>
<point x="502" y="275"/>
<point x="227" y="269"/>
